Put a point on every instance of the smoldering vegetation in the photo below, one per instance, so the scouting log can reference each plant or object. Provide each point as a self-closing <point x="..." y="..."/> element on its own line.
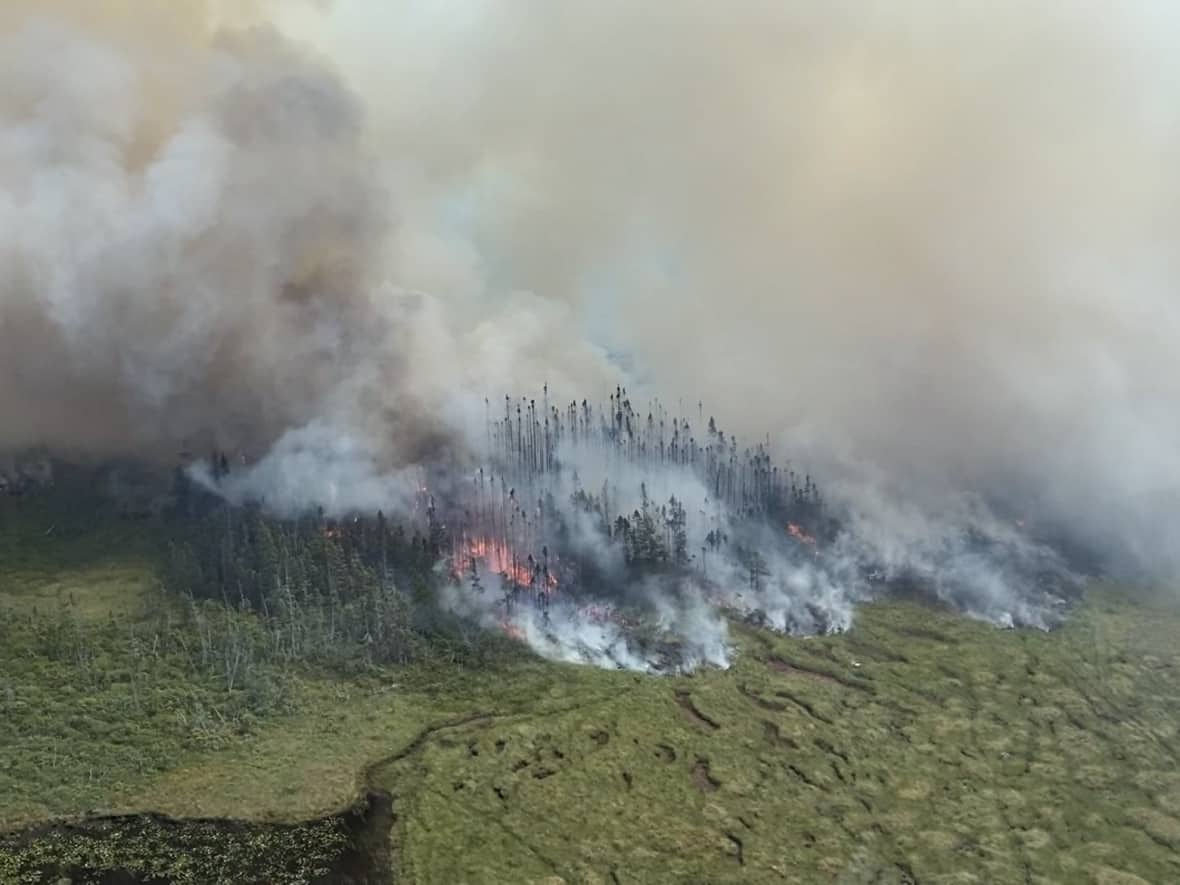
<point x="623" y="537"/>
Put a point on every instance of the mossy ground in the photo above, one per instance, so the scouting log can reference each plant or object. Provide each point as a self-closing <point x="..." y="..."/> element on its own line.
<point x="920" y="747"/>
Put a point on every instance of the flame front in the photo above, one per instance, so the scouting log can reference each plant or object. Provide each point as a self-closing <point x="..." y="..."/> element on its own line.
<point x="499" y="558"/>
<point x="512" y="631"/>
<point x="797" y="532"/>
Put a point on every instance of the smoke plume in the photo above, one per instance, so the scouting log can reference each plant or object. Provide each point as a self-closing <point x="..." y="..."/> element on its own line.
<point x="929" y="249"/>
<point x="193" y="234"/>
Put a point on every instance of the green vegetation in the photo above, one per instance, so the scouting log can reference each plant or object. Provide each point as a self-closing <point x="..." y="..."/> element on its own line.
<point x="104" y="692"/>
<point x="920" y="747"/>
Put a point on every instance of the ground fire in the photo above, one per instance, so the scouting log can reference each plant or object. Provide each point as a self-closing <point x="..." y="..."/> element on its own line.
<point x="592" y="525"/>
<point x="800" y="535"/>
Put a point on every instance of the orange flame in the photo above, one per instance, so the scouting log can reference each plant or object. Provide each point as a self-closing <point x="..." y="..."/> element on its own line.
<point x="797" y="532"/>
<point x="498" y="558"/>
<point x="512" y="631"/>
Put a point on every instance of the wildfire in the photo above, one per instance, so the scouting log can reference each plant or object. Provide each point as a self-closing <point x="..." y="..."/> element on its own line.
<point x="499" y="558"/>
<point x="797" y="532"/>
<point x="332" y="532"/>
<point x="512" y="631"/>
<point x="599" y="614"/>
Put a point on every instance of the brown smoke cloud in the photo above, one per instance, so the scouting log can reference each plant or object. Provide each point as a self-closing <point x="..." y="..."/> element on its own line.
<point x="929" y="245"/>
<point x="196" y="244"/>
<point x="189" y="222"/>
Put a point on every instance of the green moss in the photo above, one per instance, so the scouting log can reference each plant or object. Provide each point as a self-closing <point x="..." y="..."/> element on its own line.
<point x="919" y="747"/>
<point x="954" y="752"/>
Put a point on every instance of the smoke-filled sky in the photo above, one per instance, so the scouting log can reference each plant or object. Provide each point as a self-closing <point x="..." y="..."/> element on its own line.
<point x="928" y="246"/>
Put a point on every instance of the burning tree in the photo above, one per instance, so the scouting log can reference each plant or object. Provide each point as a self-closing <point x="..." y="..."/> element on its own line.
<point x="631" y="513"/>
<point x="526" y="515"/>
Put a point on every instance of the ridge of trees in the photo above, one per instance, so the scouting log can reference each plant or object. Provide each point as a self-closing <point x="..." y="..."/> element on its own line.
<point x="362" y="583"/>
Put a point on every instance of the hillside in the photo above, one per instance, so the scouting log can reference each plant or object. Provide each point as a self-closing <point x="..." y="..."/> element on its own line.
<point x="918" y="747"/>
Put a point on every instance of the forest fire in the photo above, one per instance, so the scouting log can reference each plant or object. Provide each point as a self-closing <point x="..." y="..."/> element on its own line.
<point x="512" y="631"/>
<point x="799" y="534"/>
<point x="499" y="558"/>
<point x="657" y="541"/>
<point x="610" y="505"/>
<point x="641" y="528"/>
<point x="597" y="613"/>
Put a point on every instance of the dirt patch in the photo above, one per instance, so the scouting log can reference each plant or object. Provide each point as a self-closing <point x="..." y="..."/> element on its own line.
<point x="759" y="701"/>
<point x="703" y="778"/>
<point x="775" y="737"/>
<point x="927" y="634"/>
<point x="802" y="776"/>
<point x="778" y="665"/>
<point x="874" y="652"/>
<point x="693" y="714"/>
<point x="804" y="706"/>
<point x="738" y="849"/>
<point x="369" y="858"/>
<point x="830" y="749"/>
<point x="907" y="874"/>
<point x="481" y="720"/>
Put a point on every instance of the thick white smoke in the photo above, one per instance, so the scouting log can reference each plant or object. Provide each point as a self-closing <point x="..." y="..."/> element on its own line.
<point x="187" y="232"/>
<point x="930" y="246"/>
<point x="194" y="237"/>
<point x="792" y="592"/>
<point x="929" y="249"/>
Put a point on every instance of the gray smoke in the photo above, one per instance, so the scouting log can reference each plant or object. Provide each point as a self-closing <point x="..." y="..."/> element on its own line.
<point x="929" y="249"/>
<point x="188" y="228"/>
<point x="193" y="244"/>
